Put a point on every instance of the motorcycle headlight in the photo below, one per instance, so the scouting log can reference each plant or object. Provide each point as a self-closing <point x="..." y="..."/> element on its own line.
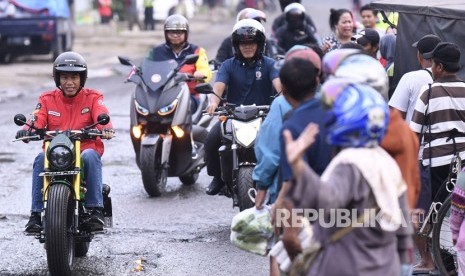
<point x="140" y="109"/>
<point x="246" y="132"/>
<point x="166" y="110"/>
<point x="60" y="153"/>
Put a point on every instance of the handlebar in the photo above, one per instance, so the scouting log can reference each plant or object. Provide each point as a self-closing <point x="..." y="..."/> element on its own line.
<point x="229" y="111"/>
<point x="86" y="134"/>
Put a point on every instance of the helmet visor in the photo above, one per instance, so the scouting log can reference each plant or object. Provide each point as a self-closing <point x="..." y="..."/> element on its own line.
<point x="70" y="67"/>
<point x="246" y="35"/>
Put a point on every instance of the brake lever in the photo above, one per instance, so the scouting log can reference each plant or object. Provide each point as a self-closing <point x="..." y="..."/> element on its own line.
<point x="33" y="137"/>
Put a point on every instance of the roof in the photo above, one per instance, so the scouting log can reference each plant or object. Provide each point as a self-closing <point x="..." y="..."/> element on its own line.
<point x="444" y="18"/>
<point x="441" y="8"/>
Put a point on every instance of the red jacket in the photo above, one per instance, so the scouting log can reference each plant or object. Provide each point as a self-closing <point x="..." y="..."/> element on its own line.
<point x="56" y="112"/>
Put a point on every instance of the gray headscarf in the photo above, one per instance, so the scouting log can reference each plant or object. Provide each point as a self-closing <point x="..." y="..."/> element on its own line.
<point x="387" y="48"/>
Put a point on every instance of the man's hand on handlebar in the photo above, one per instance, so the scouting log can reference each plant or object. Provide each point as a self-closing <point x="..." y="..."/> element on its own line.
<point x="108" y="133"/>
<point x="211" y="108"/>
<point x="23" y="133"/>
<point x="198" y="75"/>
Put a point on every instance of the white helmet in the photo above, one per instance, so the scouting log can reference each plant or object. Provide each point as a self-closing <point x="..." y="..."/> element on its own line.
<point x="357" y="67"/>
<point x="248" y="23"/>
<point x="242" y="14"/>
<point x="248" y="30"/>
<point x="293" y="6"/>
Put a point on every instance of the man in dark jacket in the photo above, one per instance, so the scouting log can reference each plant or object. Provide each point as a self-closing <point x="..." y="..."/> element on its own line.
<point x="295" y="31"/>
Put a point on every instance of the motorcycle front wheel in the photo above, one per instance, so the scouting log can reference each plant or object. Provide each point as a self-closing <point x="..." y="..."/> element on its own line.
<point x="58" y="226"/>
<point x="81" y="249"/>
<point x="244" y="183"/>
<point x="154" y="177"/>
<point x="189" y="179"/>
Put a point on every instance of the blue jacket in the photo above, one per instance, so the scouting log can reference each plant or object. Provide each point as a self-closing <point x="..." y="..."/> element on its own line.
<point x="267" y="148"/>
<point x="248" y="85"/>
<point x="317" y="155"/>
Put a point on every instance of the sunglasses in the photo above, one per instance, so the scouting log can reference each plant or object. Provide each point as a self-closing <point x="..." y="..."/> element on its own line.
<point x="175" y="32"/>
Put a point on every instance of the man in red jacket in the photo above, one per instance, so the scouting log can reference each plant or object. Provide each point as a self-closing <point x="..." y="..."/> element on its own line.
<point x="71" y="106"/>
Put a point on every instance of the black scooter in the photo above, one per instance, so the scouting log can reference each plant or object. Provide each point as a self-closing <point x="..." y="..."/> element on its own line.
<point x="165" y="139"/>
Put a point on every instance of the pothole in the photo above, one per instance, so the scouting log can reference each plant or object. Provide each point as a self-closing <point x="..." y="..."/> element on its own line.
<point x="6" y="157"/>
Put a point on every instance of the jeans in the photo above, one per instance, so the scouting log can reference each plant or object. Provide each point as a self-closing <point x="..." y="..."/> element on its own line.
<point x="92" y="171"/>
<point x="194" y="104"/>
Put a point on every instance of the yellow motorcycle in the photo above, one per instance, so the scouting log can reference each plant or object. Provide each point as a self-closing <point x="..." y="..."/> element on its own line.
<point x="64" y="232"/>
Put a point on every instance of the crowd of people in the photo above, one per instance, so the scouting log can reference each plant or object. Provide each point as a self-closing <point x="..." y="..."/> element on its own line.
<point x="362" y="147"/>
<point x="340" y="134"/>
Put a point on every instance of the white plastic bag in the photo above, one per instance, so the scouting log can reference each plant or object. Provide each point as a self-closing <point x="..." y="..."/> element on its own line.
<point x="251" y="230"/>
<point x="279" y="252"/>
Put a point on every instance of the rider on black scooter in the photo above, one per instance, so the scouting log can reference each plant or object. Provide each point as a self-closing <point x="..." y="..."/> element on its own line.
<point x="177" y="47"/>
<point x="250" y="77"/>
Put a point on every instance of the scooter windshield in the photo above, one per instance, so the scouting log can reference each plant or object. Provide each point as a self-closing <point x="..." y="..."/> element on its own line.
<point x="155" y="73"/>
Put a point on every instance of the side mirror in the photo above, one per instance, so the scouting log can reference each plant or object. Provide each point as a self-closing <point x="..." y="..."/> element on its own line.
<point x="190" y="59"/>
<point x="204" y="88"/>
<point x="103" y="119"/>
<point x="214" y="65"/>
<point x="20" y="119"/>
<point x="125" y="61"/>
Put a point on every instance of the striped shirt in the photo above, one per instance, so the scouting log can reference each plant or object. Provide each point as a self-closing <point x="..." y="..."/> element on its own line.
<point x="446" y="111"/>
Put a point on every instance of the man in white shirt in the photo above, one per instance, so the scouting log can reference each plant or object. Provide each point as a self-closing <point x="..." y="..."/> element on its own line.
<point x="406" y="93"/>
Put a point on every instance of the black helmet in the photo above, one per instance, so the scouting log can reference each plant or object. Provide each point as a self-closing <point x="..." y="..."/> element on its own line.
<point x="284" y="3"/>
<point x="70" y="62"/>
<point x="248" y="30"/>
<point x="295" y="15"/>
<point x="176" y="22"/>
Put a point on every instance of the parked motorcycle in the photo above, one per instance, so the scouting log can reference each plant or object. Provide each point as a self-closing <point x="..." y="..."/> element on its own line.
<point x="239" y="129"/>
<point x="166" y="139"/>
<point x="65" y="232"/>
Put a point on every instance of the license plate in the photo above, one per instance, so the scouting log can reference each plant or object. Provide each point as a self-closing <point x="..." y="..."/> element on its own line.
<point x="19" y="40"/>
<point x="59" y="173"/>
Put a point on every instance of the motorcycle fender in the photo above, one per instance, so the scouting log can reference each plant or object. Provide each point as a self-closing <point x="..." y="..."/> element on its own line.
<point x="150" y="139"/>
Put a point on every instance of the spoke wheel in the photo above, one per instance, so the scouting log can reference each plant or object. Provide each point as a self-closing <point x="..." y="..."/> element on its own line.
<point x="444" y="253"/>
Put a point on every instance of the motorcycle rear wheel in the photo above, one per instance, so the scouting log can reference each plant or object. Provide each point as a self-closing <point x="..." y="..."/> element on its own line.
<point x="244" y="183"/>
<point x="58" y="224"/>
<point x="154" y="177"/>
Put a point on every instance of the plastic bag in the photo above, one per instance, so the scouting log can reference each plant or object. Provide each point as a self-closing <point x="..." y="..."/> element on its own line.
<point x="253" y="222"/>
<point x="260" y="247"/>
<point x="280" y="254"/>
<point x="251" y="230"/>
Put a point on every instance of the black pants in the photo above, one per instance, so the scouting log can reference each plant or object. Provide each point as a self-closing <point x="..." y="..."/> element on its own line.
<point x="212" y="157"/>
<point x="149" y="22"/>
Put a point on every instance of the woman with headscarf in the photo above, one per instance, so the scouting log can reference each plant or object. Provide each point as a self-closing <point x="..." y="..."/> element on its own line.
<point x="387" y="49"/>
